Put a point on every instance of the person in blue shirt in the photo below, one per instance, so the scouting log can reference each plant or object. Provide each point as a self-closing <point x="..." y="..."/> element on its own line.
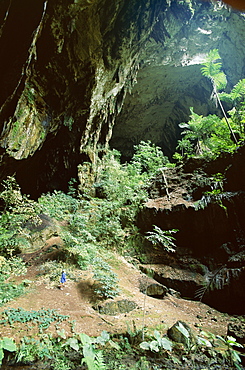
<point x="63" y="279"/>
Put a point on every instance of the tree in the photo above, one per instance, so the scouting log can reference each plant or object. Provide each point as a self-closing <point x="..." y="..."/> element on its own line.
<point x="212" y="70"/>
<point x="197" y="130"/>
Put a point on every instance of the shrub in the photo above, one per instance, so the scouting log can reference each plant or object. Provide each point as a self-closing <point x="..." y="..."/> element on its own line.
<point x="106" y="280"/>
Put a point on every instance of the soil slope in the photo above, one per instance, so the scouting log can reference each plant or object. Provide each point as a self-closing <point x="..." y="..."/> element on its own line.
<point x="76" y="300"/>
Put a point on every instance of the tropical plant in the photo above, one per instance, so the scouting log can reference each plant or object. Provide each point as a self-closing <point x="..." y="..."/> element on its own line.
<point x="163" y="238"/>
<point x="18" y="212"/>
<point x="198" y="130"/>
<point x="6" y="344"/>
<point x="227" y="347"/>
<point x="236" y="95"/>
<point x="17" y="204"/>
<point x="58" y="205"/>
<point x="148" y="158"/>
<point x="31" y="350"/>
<point x="92" y="357"/>
<point x="212" y="70"/>
<point x="106" y="280"/>
<point x="160" y="343"/>
<point x="206" y="136"/>
<point x="42" y="318"/>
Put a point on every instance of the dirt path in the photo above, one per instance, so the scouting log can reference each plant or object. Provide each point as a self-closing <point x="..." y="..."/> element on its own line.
<point x="75" y="301"/>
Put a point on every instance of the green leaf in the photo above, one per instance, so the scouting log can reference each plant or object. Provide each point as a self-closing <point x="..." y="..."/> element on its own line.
<point x="183" y="330"/>
<point x="166" y="344"/>
<point x="157" y="335"/>
<point x="8" y="344"/>
<point x="114" y="345"/>
<point x="154" y="346"/>
<point x="145" y="346"/>
<point x="204" y="342"/>
<point x="73" y="343"/>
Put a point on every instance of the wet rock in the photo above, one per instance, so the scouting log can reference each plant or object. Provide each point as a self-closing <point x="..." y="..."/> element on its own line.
<point x="116" y="307"/>
<point x="237" y="331"/>
<point x="174" y="293"/>
<point x="156" y="290"/>
<point x="152" y="288"/>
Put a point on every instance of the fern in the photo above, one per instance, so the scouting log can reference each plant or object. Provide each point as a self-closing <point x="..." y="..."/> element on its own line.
<point x="99" y="361"/>
<point x="92" y="358"/>
<point x="217" y="280"/>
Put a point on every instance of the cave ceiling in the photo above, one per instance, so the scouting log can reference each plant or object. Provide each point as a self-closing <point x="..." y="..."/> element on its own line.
<point x="79" y="74"/>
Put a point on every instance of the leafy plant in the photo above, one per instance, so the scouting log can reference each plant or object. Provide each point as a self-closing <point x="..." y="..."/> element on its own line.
<point x="207" y="136"/>
<point x="212" y="69"/>
<point x="107" y="281"/>
<point x="11" y="291"/>
<point x="58" y="205"/>
<point x="163" y="238"/>
<point x="12" y="266"/>
<point x="43" y="317"/>
<point x="160" y="343"/>
<point x="92" y="357"/>
<point x="227" y="347"/>
<point x="148" y="158"/>
<point x="6" y="344"/>
<point x="32" y="349"/>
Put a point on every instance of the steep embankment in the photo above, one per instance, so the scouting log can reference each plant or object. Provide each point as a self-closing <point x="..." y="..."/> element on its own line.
<point x="76" y="301"/>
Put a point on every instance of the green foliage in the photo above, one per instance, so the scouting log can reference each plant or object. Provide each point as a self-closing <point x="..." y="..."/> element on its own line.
<point x="92" y="357"/>
<point x="163" y="238"/>
<point x="6" y="344"/>
<point x="19" y="210"/>
<point x="227" y="347"/>
<point x="206" y="136"/>
<point x="19" y="204"/>
<point x="212" y="69"/>
<point x="160" y="343"/>
<point x="58" y="205"/>
<point x="72" y="188"/>
<point x="32" y="349"/>
<point x="106" y="280"/>
<point x="43" y="317"/>
<point x="122" y="185"/>
<point x="148" y="158"/>
<point x="8" y="290"/>
<point x="236" y="95"/>
<point x="12" y="266"/>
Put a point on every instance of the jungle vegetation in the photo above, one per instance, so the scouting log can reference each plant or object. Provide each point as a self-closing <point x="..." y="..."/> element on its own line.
<point x="209" y="136"/>
<point x="95" y="226"/>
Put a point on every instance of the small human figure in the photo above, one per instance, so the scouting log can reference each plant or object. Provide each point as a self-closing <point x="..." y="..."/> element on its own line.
<point x="63" y="280"/>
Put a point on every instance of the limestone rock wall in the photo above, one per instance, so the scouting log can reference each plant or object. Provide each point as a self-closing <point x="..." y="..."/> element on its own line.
<point x="170" y="80"/>
<point x="69" y="64"/>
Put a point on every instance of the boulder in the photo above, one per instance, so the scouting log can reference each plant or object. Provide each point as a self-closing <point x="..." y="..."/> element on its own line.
<point x="152" y="288"/>
<point x="156" y="290"/>
<point x="237" y="331"/>
<point x="181" y="332"/>
<point x="117" y="307"/>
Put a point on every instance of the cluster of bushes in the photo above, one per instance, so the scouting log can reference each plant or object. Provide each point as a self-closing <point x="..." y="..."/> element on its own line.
<point x="209" y="136"/>
<point x="124" y="351"/>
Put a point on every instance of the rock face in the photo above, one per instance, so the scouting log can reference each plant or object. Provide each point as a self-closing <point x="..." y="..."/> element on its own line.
<point x="69" y="64"/>
<point x="170" y="81"/>
<point x="211" y="237"/>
